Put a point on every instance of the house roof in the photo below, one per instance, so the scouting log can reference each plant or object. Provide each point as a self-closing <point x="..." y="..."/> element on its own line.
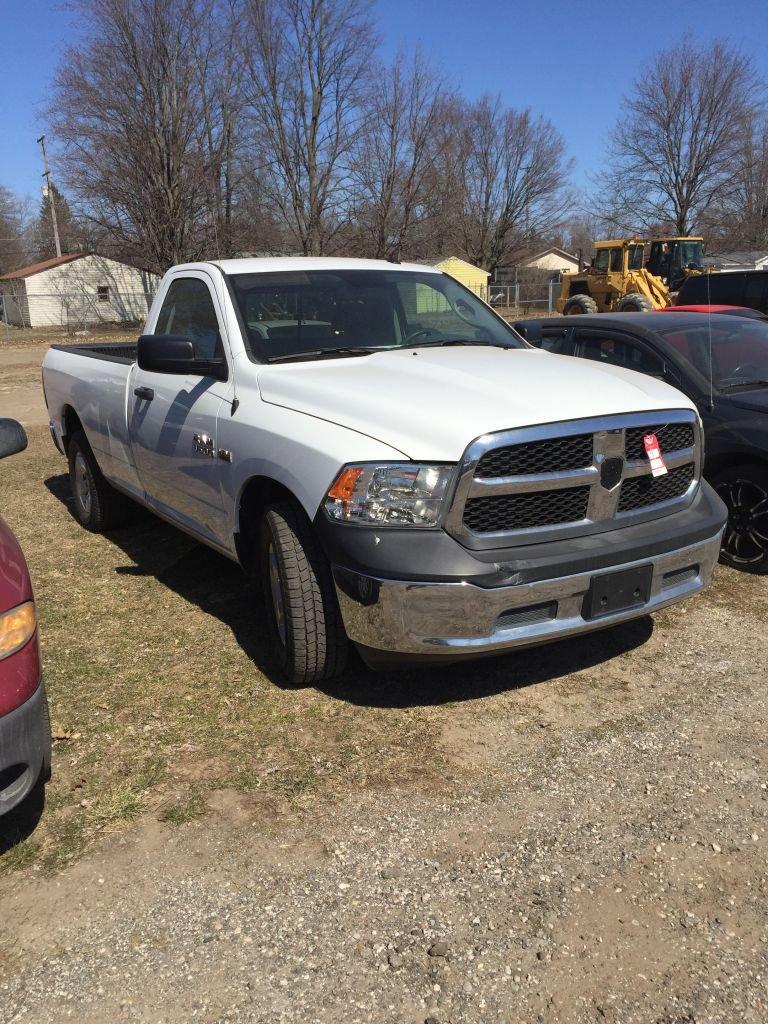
<point x="741" y="256"/>
<point x="37" y="268"/>
<point x="555" y="250"/>
<point x="436" y="261"/>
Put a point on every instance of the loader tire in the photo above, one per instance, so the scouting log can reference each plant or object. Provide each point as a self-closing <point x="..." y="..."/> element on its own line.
<point x="579" y="304"/>
<point x="634" y="303"/>
<point x="303" y="614"/>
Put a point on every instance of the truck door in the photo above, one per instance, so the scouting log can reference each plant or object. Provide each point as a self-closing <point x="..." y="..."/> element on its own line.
<point x="172" y="418"/>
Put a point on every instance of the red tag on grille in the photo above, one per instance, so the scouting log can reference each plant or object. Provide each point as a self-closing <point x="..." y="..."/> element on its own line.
<point x="655" y="455"/>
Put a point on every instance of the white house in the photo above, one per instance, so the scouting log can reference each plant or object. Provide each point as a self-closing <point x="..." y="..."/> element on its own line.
<point x="738" y="260"/>
<point x="554" y="258"/>
<point x="76" y="290"/>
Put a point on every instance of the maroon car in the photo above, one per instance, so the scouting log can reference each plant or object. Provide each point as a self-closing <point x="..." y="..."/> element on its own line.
<point x="25" y="732"/>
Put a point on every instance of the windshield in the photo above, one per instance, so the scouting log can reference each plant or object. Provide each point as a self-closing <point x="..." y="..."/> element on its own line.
<point x="322" y="313"/>
<point x="739" y="349"/>
<point x="691" y="253"/>
<point x="636" y="257"/>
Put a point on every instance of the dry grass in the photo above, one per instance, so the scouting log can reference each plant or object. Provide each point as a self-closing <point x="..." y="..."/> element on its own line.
<point x="33" y="337"/>
<point x="156" y="666"/>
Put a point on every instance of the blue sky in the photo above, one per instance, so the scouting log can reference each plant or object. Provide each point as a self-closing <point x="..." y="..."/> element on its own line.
<point x="569" y="60"/>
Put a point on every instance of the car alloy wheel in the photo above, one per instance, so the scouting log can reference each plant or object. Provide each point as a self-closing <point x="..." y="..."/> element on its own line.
<point x="745" y="540"/>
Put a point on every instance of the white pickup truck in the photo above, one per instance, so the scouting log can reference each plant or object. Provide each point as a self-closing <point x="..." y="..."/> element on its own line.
<point x="395" y="463"/>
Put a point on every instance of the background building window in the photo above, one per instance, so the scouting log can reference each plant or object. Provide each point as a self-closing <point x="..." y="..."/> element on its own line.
<point x="102" y="293"/>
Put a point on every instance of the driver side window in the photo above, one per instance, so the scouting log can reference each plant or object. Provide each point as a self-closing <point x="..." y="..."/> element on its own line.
<point x="188" y="312"/>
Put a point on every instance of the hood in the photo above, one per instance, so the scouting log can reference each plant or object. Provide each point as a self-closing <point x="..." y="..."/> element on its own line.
<point x="753" y="399"/>
<point x="431" y="403"/>
<point x="15" y="585"/>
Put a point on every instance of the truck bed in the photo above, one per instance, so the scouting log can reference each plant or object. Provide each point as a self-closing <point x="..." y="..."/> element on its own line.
<point x="113" y="352"/>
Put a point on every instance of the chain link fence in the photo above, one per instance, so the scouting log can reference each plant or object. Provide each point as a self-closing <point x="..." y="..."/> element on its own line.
<point x="73" y="311"/>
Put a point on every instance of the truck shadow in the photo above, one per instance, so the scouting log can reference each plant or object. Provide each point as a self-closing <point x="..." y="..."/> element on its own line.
<point x="218" y="587"/>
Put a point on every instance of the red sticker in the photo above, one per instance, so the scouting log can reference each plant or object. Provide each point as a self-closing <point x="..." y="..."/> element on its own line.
<point x="655" y="455"/>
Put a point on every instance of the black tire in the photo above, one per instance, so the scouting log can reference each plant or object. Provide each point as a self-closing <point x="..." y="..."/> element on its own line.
<point x="635" y="303"/>
<point x="96" y="504"/>
<point x="579" y="304"/>
<point x="308" y="636"/>
<point x="744" y="489"/>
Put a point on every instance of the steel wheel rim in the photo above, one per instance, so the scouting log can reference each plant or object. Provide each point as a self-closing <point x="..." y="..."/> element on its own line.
<point x="276" y="591"/>
<point x="745" y="540"/>
<point x="83" y="485"/>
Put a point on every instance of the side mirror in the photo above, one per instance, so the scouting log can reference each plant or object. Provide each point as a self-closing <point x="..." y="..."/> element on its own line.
<point x="169" y="353"/>
<point x="13" y="438"/>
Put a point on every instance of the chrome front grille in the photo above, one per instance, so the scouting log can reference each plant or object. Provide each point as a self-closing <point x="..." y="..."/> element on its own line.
<point x="568" y="479"/>
<point x="671" y="436"/>
<point x="553" y="455"/>
<point x="642" y="491"/>
<point x="526" y="511"/>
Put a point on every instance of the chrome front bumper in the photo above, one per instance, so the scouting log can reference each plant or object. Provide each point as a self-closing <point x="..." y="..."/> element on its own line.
<point x="457" y="619"/>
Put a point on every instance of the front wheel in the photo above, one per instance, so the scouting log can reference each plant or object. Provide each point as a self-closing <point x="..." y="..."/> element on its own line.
<point x="303" y="614"/>
<point x="635" y="303"/>
<point x="578" y="304"/>
<point x="744" y="489"/>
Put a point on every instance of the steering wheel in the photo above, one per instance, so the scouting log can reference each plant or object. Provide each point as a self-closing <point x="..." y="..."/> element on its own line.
<point x="745" y="370"/>
<point x="419" y="334"/>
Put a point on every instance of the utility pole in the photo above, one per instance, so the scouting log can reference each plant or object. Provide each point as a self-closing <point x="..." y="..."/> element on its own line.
<point x="49" y="193"/>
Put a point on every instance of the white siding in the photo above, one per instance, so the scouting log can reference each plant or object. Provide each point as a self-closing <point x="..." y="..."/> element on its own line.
<point x="68" y="295"/>
<point x="553" y="261"/>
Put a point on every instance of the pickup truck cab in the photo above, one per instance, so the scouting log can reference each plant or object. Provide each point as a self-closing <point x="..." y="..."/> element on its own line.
<point x="395" y="463"/>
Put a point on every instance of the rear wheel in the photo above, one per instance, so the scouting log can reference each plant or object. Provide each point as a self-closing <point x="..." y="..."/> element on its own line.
<point x="97" y="505"/>
<point x="579" y="304"/>
<point x="635" y="303"/>
<point x="744" y="489"/>
<point x="303" y="614"/>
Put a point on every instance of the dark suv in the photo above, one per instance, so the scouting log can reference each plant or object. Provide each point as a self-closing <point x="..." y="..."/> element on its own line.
<point x="729" y="288"/>
<point x="721" y="363"/>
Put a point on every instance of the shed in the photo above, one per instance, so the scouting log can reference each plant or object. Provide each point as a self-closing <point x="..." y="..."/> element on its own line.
<point x="554" y="258"/>
<point x="468" y="274"/>
<point x="76" y="290"/>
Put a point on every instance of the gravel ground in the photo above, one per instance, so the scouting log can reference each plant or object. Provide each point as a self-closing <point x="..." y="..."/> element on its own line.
<point x="595" y="852"/>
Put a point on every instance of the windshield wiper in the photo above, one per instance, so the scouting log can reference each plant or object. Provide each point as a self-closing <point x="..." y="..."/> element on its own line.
<point x="459" y="341"/>
<point x="742" y="382"/>
<point x="324" y="353"/>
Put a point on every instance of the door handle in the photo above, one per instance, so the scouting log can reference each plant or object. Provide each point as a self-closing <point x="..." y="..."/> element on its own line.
<point x="147" y="394"/>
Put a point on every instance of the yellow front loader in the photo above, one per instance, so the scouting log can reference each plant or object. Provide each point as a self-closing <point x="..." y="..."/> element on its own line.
<point x="616" y="281"/>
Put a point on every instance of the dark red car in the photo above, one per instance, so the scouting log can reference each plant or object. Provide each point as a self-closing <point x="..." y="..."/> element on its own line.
<point x="753" y="314"/>
<point x="25" y="731"/>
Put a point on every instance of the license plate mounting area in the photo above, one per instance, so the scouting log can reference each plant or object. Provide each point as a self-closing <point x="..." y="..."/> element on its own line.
<point x="613" y="592"/>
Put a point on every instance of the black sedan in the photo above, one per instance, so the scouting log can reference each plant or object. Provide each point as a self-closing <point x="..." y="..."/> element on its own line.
<point x="721" y="363"/>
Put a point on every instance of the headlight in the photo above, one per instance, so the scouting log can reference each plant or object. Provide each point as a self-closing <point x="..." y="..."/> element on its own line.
<point x="16" y="627"/>
<point x="401" y="494"/>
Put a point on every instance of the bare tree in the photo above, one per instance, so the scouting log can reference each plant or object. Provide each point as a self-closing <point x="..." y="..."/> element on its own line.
<point x="133" y="112"/>
<point x="673" y="151"/>
<point x="16" y="232"/>
<point x="740" y="221"/>
<point x="394" y="152"/>
<point x="307" y="64"/>
<point x="513" y="177"/>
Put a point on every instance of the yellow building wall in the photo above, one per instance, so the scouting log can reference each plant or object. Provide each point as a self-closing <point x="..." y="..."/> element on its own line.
<point x="471" y="277"/>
